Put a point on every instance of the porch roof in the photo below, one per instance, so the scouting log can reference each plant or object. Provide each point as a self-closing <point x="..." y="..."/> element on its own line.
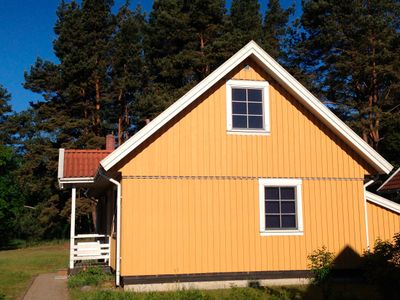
<point x="79" y="166"/>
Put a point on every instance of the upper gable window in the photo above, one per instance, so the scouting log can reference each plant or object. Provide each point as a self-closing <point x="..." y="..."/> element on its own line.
<point x="247" y="107"/>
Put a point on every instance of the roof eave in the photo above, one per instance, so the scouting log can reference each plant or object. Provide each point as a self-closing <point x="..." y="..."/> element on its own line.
<point x="317" y="107"/>
<point x="75" y="181"/>
<point x="381" y="201"/>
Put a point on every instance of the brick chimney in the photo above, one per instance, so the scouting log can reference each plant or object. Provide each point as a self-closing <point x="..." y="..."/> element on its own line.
<point x="110" y="142"/>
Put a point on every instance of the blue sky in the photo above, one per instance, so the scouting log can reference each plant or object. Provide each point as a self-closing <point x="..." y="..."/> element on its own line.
<point x="26" y="32"/>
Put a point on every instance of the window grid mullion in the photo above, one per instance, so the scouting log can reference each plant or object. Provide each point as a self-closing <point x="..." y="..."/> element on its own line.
<point x="280" y="209"/>
<point x="295" y="207"/>
<point x="247" y="107"/>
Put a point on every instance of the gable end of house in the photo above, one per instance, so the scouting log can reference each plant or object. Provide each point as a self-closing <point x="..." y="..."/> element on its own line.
<point x="279" y="74"/>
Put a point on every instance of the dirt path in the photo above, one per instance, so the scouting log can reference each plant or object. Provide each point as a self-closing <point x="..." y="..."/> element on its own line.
<point x="48" y="287"/>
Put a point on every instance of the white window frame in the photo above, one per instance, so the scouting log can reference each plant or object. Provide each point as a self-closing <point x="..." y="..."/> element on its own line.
<point x="281" y="182"/>
<point x="264" y="86"/>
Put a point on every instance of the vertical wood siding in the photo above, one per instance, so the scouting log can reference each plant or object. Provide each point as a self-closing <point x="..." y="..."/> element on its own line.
<point x="112" y="253"/>
<point x="382" y="223"/>
<point x="175" y="226"/>
<point x="197" y="143"/>
<point x="198" y="226"/>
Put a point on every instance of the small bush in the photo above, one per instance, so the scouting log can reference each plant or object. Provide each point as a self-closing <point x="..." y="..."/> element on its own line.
<point x="320" y="263"/>
<point x="91" y="276"/>
<point x="2" y="296"/>
<point x="382" y="267"/>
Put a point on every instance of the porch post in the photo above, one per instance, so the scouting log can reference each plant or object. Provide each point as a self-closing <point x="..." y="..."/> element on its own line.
<point x="72" y="234"/>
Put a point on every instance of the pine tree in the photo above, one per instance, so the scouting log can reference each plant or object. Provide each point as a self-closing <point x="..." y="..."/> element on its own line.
<point x="246" y="21"/>
<point x="179" y="49"/>
<point x="82" y="46"/>
<point x="206" y="21"/>
<point x="71" y="113"/>
<point x="353" y="48"/>
<point x="128" y="74"/>
<point x="243" y="24"/>
<point x="276" y="28"/>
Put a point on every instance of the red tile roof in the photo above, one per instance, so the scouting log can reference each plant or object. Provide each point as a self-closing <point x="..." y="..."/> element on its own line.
<point x="82" y="163"/>
<point x="393" y="183"/>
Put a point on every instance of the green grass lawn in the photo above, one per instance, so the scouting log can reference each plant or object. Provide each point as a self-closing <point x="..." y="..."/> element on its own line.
<point x="18" y="267"/>
<point x="226" y="294"/>
<point x="339" y="291"/>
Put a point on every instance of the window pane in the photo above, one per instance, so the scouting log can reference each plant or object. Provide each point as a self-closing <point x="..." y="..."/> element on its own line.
<point x="239" y="108"/>
<point x="239" y="121"/>
<point x="272" y="207"/>
<point x="271" y="193"/>
<point x="255" y="109"/>
<point x="256" y="122"/>
<point x="288" y="221"/>
<point x="255" y="95"/>
<point x="272" y="221"/>
<point x="288" y="207"/>
<point x="287" y="193"/>
<point x="239" y="94"/>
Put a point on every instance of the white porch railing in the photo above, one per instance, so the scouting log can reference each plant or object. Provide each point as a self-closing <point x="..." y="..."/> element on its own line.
<point x="91" y="250"/>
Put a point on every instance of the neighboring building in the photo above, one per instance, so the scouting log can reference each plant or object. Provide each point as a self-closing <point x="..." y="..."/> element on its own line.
<point x="392" y="184"/>
<point x="241" y="178"/>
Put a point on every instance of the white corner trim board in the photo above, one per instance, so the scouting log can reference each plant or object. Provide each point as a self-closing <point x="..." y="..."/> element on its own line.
<point x="281" y="76"/>
<point x="376" y="199"/>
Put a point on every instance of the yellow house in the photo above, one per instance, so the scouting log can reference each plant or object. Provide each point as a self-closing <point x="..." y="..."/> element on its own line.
<point x="241" y="178"/>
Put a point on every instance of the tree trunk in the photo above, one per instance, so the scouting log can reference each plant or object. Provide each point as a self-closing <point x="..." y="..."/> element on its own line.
<point x="120" y="118"/>
<point x="94" y="218"/>
<point x="206" y="68"/>
<point x="126" y="117"/>
<point x="85" y="109"/>
<point x="97" y="107"/>
<point x="374" y="117"/>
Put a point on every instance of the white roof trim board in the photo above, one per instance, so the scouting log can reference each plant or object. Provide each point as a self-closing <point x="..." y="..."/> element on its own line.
<point x="60" y="163"/>
<point x="374" y="198"/>
<point x="387" y="180"/>
<point x="281" y="76"/>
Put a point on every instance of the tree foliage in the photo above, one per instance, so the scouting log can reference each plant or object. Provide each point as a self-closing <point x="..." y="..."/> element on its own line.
<point x="118" y="67"/>
<point x="276" y="30"/>
<point x="353" y="48"/>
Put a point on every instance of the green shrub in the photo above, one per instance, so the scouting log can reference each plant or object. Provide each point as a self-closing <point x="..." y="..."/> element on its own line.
<point x="382" y="267"/>
<point x="2" y="296"/>
<point x="320" y="263"/>
<point x="91" y="276"/>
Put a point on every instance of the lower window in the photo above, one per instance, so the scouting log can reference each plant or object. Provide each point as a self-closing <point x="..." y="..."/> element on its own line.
<point x="280" y="207"/>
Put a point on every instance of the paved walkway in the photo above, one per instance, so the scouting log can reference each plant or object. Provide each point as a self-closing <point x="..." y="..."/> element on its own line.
<point x="48" y="287"/>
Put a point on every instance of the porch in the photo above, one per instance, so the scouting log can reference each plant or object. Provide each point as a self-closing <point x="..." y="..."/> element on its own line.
<point x="93" y="249"/>
<point x="97" y="244"/>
